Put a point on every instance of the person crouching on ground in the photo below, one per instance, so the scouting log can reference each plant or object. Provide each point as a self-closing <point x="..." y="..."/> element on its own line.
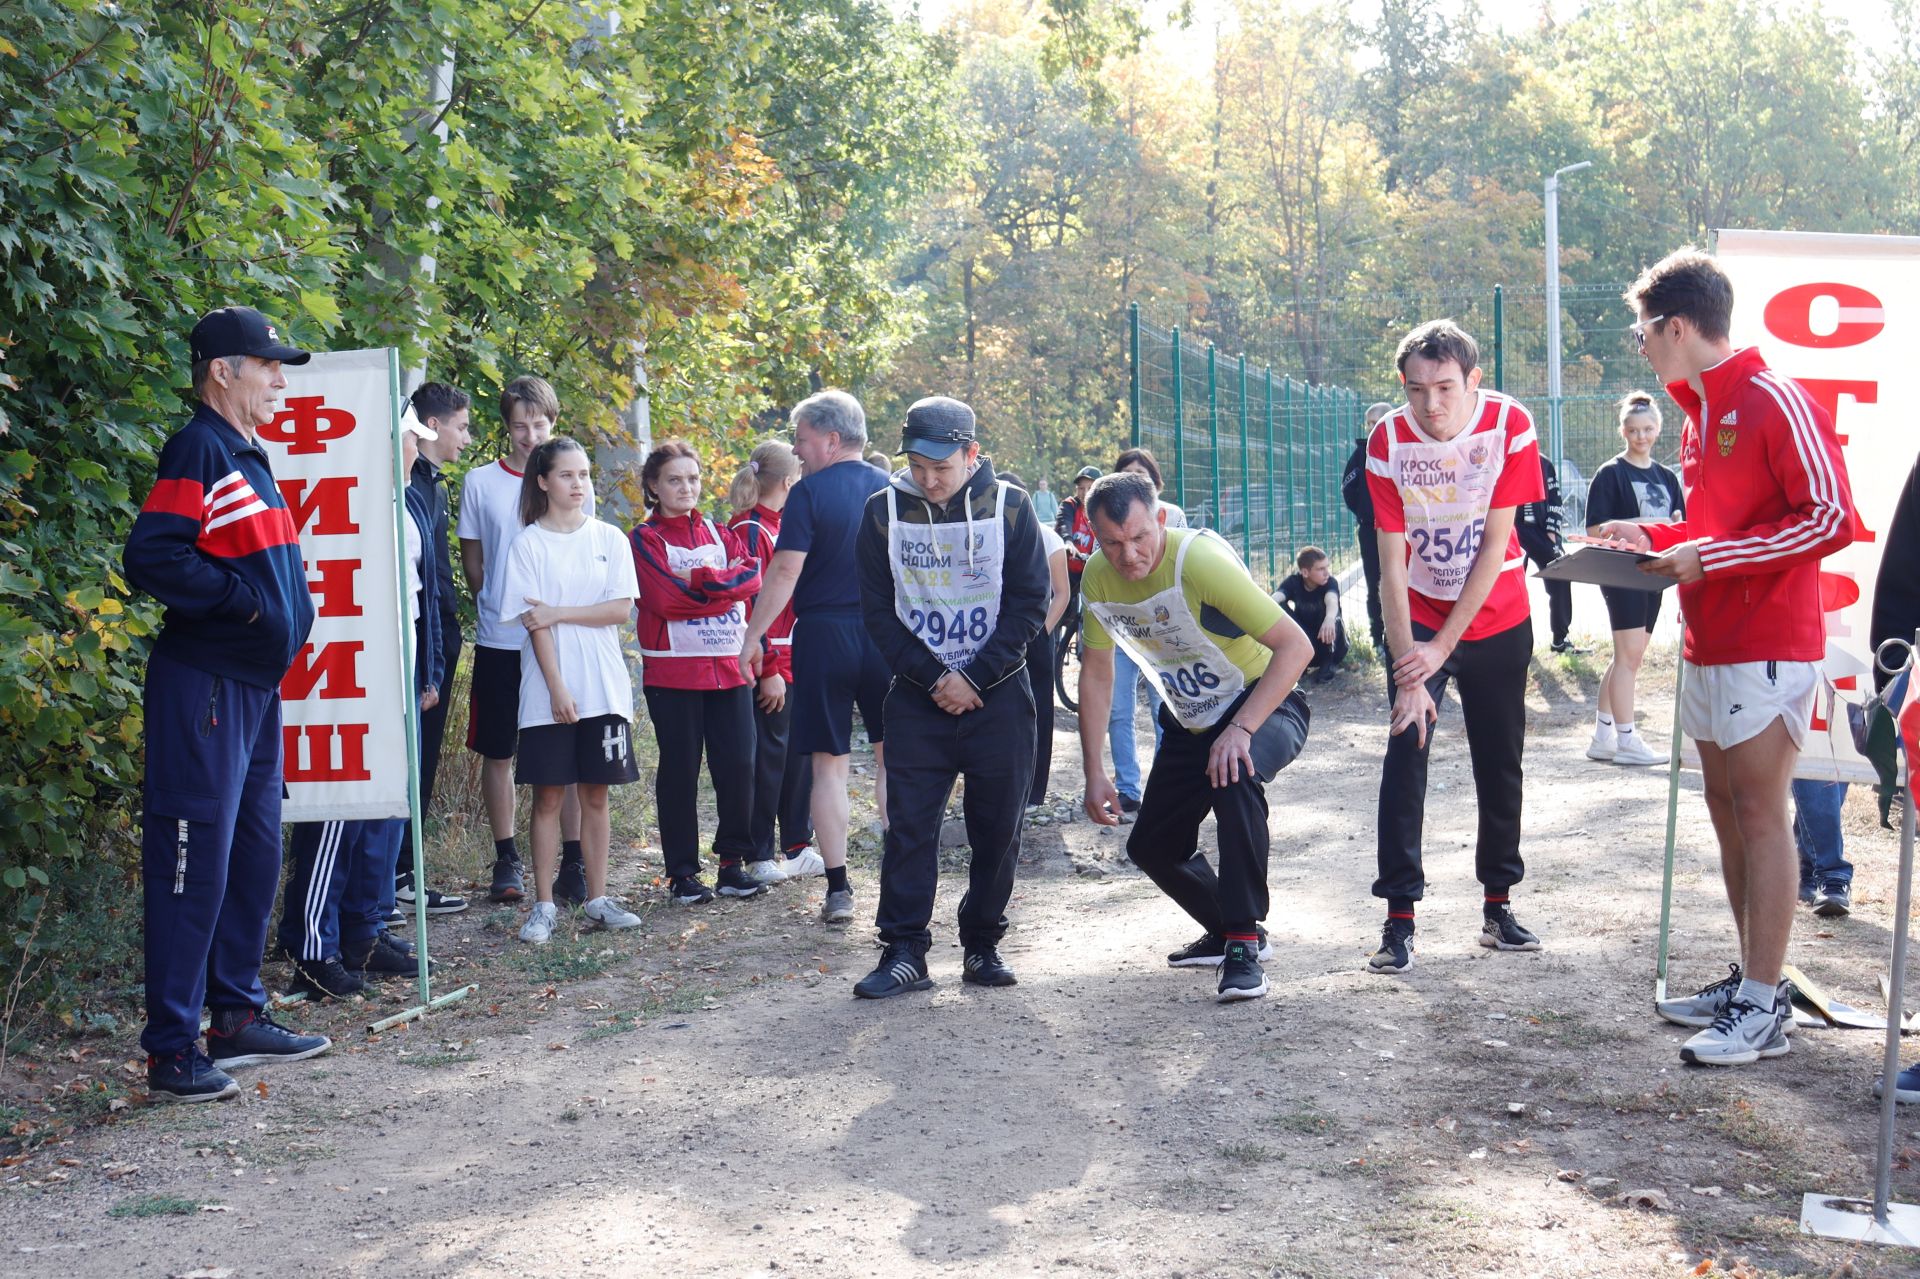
<point x="1228" y="662"/>
<point x="1312" y="597"/>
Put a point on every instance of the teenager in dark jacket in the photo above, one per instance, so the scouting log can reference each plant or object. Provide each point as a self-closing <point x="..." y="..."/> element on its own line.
<point x="953" y="588"/>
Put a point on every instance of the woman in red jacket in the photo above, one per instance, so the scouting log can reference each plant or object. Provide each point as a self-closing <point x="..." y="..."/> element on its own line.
<point x="782" y="779"/>
<point x="695" y="581"/>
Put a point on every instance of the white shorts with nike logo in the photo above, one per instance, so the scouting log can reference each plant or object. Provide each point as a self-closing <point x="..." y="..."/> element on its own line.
<point x="1726" y="705"/>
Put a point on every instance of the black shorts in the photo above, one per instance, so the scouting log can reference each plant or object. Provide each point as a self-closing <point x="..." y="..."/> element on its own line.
<point x="493" y="702"/>
<point x="597" y="751"/>
<point x="835" y="668"/>
<point x="1627" y="610"/>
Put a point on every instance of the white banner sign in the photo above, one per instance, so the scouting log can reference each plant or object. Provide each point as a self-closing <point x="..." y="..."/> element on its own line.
<point x="1839" y="314"/>
<point x="345" y="698"/>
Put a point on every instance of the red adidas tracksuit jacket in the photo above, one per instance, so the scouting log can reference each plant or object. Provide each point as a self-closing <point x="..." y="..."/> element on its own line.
<point x="758" y="529"/>
<point x="666" y="597"/>
<point x="1767" y="500"/>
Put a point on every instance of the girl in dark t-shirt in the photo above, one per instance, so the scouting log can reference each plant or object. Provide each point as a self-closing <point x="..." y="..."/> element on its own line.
<point x="1631" y="486"/>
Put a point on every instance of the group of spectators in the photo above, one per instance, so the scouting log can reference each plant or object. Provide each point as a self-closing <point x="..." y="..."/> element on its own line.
<point x="926" y="599"/>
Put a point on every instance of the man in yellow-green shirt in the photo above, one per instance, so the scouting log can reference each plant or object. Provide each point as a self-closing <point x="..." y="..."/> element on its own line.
<point x="1226" y="659"/>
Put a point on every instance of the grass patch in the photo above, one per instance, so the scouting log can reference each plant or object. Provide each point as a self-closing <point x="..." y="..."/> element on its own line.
<point x="155" y="1206"/>
<point x="434" y="1061"/>
<point x="618" y="1024"/>
<point x="570" y="1116"/>
<point x="1248" y="1152"/>
<point x="1305" y="1118"/>
<point x="1574" y="1032"/>
<point x="563" y="960"/>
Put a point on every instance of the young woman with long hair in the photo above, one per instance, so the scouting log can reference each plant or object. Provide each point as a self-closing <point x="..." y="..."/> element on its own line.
<point x="695" y="583"/>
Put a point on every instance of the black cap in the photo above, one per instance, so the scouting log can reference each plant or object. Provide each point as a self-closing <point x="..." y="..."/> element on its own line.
<point x="1087" y="473"/>
<point x="936" y="427"/>
<point x="241" y="330"/>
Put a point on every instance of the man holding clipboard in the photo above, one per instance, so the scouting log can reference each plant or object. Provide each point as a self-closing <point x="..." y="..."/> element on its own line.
<point x="1767" y="498"/>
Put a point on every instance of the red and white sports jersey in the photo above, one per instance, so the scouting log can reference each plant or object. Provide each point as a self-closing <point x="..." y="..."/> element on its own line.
<point x="1438" y="493"/>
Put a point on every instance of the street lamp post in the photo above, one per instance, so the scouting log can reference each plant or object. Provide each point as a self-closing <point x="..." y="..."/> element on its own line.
<point x="1555" y="428"/>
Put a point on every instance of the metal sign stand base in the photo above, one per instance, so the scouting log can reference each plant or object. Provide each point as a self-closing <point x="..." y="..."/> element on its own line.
<point x="1878" y="1220"/>
<point x="1853" y="1220"/>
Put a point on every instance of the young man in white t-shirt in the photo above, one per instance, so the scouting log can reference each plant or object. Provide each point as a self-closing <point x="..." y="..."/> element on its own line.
<point x="489" y="521"/>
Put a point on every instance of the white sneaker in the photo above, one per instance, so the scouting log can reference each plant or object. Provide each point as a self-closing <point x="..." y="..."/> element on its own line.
<point x="1633" y="749"/>
<point x="1703" y="1006"/>
<point x="805" y="862"/>
<point x="766" y="871"/>
<point x="607" y="913"/>
<point x="1742" y="1034"/>
<point x="539" y="926"/>
<point x="1602" y="746"/>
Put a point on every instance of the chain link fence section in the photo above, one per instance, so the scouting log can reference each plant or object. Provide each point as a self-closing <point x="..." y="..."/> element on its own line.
<point x="1350" y="342"/>
<point x="1253" y="454"/>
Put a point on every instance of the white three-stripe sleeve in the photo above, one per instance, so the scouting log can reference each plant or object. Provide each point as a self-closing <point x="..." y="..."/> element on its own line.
<point x="1803" y="533"/>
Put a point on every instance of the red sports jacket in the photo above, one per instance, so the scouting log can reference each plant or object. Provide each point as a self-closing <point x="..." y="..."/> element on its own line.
<point x="1767" y="500"/>
<point x="666" y="598"/>
<point x="758" y="529"/>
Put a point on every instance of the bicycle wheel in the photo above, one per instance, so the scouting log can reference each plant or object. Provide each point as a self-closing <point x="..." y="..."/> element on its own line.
<point x="1066" y="665"/>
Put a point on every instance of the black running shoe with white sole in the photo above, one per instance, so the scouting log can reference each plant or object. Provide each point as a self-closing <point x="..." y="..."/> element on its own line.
<point x="438" y="903"/>
<point x="188" y="1075"/>
<point x="1499" y="930"/>
<point x="246" y="1037"/>
<point x="688" y="890"/>
<point x="1240" y="975"/>
<point x="1396" y="948"/>
<point x="733" y="881"/>
<point x="1207" y="950"/>
<point x="984" y="967"/>
<point x="901" y="968"/>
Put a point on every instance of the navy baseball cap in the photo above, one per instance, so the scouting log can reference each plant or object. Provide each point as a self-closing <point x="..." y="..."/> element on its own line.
<point x="241" y="330"/>
<point x="936" y="427"/>
<point x="1087" y="473"/>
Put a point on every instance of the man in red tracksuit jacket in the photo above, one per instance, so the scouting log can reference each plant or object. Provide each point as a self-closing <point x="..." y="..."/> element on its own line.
<point x="1767" y="498"/>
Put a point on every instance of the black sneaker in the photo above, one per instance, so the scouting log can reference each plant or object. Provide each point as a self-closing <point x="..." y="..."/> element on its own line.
<point x="400" y="945"/>
<point x="1396" y="948"/>
<point x="376" y="962"/>
<point x="901" y="968"/>
<point x="438" y="903"/>
<point x="325" y="979"/>
<point x="1128" y="804"/>
<point x="1808" y="891"/>
<point x="733" y="881"/>
<point x="1833" y="900"/>
<point x="245" y="1037"/>
<point x="984" y="967"/>
<point x="396" y="918"/>
<point x="188" y="1075"/>
<point x="1240" y="975"/>
<point x="1209" y="949"/>
<point x="1499" y="930"/>
<point x="507" y="885"/>
<point x="688" y="890"/>
<point x="570" y="885"/>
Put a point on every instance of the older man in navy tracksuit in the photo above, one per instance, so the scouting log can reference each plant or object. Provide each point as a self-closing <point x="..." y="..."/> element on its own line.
<point x="215" y="543"/>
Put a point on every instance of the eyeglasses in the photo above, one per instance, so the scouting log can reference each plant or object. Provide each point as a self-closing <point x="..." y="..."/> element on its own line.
<point x="1639" y="330"/>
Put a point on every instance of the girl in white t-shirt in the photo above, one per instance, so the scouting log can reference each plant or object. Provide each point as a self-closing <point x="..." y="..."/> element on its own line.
<point x="570" y="584"/>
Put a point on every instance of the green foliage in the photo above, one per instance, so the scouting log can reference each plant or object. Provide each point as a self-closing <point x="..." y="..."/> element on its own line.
<point x="711" y="194"/>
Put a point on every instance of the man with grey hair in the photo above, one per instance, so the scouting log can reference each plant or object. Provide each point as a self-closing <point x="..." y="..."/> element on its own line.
<point x="835" y="665"/>
<point x="215" y="543"/>
<point x="1353" y="491"/>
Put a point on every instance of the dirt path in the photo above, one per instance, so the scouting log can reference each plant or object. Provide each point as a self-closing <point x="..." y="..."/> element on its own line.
<point x="719" y="1105"/>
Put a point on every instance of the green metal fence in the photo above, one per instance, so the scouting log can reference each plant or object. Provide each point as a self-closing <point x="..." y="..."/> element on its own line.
<point x="1348" y="342"/>
<point x="1249" y="452"/>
